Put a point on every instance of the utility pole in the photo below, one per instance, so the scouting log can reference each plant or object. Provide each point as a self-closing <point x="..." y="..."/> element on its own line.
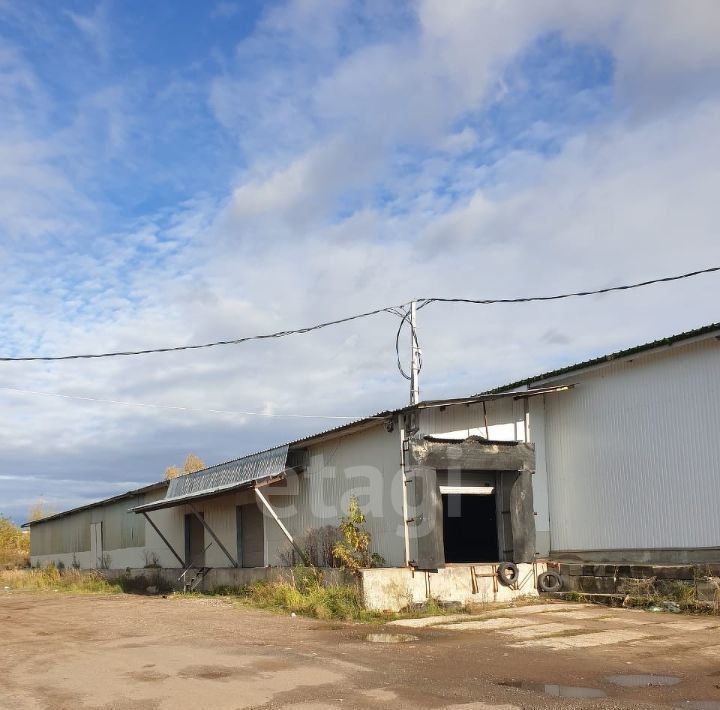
<point x="415" y="366"/>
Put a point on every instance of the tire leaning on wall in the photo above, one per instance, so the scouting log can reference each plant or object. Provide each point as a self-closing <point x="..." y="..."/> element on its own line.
<point x="508" y="573"/>
<point x="549" y="581"/>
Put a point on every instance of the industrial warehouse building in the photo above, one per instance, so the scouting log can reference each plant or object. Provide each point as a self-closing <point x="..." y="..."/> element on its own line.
<point x="614" y="459"/>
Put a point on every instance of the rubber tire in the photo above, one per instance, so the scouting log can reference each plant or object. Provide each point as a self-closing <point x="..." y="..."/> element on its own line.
<point x="550" y="581"/>
<point x="508" y="573"/>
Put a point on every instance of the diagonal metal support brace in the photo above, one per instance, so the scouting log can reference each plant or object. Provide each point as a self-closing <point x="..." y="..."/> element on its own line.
<point x="212" y="534"/>
<point x="282" y="527"/>
<point x="164" y="539"/>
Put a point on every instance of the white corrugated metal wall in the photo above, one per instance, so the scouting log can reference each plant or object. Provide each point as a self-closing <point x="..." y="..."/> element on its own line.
<point x="633" y="453"/>
<point x="366" y="464"/>
<point x="67" y="539"/>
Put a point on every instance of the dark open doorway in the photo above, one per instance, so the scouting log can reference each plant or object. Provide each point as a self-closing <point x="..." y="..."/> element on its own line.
<point x="470" y="528"/>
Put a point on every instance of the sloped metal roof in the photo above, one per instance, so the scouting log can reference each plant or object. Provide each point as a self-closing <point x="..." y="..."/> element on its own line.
<point x="222" y="478"/>
<point x="106" y="501"/>
<point x="706" y="330"/>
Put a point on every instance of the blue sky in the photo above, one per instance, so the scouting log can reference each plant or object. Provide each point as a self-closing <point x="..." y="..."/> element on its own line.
<point x="177" y="172"/>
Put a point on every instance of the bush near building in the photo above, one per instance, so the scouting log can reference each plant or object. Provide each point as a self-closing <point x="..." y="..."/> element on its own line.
<point x="14" y="545"/>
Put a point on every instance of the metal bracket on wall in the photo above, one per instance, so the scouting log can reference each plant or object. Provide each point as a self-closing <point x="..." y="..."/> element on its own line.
<point x="282" y="527"/>
<point x="213" y="535"/>
<point x="164" y="539"/>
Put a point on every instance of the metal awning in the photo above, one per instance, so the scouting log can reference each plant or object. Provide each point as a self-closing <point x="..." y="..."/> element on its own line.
<point x="491" y="397"/>
<point x="259" y="469"/>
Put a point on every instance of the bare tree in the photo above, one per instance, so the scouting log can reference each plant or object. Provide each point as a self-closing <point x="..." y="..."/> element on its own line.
<point x="39" y="510"/>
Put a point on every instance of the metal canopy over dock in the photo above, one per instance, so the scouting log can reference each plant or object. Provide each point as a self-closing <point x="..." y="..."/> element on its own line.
<point x="259" y="469"/>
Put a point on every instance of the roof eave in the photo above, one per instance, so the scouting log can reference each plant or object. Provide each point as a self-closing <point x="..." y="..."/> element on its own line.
<point x="214" y="493"/>
<point x="98" y="504"/>
<point x="687" y="338"/>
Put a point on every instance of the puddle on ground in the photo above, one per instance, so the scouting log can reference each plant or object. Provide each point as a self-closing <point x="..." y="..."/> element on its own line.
<point x="642" y="681"/>
<point x="558" y="691"/>
<point x="390" y="638"/>
<point x="699" y="705"/>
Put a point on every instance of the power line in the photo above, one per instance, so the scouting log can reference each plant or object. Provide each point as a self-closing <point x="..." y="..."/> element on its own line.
<point x="596" y="292"/>
<point x="422" y="302"/>
<point x="177" y="348"/>
<point x="179" y="408"/>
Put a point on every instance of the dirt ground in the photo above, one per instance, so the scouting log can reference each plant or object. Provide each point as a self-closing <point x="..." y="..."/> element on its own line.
<point x="130" y="652"/>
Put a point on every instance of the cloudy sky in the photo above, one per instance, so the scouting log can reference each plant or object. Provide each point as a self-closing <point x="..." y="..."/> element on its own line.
<point x="180" y="172"/>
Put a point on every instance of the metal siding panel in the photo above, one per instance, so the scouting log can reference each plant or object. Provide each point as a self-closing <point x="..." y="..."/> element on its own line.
<point x="220" y="516"/>
<point x="632" y="454"/>
<point x="426" y="512"/>
<point x="62" y="535"/>
<point x="253" y="525"/>
<point x="536" y="435"/>
<point x="366" y="463"/>
<point x="463" y="420"/>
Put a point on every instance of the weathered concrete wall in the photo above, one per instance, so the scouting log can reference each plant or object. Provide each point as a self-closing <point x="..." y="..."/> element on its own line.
<point x="396" y="588"/>
<point x="116" y="559"/>
<point x="225" y="577"/>
<point x="639" y="578"/>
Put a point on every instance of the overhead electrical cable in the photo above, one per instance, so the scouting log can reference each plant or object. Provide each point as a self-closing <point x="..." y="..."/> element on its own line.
<point x="422" y="302"/>
<point x="178" y="348"/>
<point x="575" y="294"/>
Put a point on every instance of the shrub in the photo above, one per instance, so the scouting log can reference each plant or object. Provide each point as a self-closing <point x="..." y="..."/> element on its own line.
<point x="311" y="598"/>
<point x="14" y="545"/>
<point x="353" y="550"/>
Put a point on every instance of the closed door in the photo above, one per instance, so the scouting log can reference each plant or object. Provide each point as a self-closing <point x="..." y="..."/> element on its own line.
<point x="251" y="525"/>
<point x="96" y="545"/>
<point x="194" y="541"/>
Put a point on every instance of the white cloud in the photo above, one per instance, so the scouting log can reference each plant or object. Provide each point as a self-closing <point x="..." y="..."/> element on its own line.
<point x="226" y="9"/>
<point x="94" y="27"/>
<point x="460" y="141"/>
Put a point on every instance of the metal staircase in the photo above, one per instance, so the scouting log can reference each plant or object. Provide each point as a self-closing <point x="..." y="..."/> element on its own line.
<point x="191" y="584"/>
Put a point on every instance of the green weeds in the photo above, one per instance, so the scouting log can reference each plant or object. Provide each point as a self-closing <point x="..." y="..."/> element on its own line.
<point x="50" y="579"/>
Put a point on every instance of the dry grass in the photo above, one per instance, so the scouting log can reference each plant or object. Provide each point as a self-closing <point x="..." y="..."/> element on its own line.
<point x="51" y="579"/>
